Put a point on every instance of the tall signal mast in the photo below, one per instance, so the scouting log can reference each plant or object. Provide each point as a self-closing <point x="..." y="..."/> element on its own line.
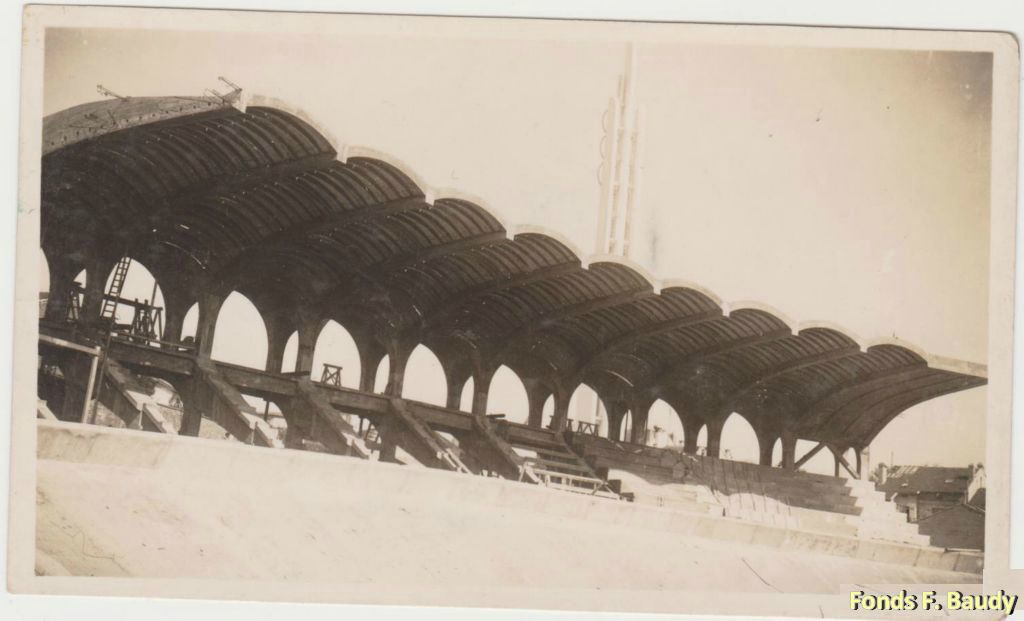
<point x="619" y="177"/>
<point x="620" y="170"/>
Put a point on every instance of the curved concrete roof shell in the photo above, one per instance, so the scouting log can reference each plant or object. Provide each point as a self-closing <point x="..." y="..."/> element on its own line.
<point x="207" y="195"/>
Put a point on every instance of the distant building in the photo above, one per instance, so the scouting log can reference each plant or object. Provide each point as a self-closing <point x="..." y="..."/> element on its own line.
<point x="948" y="504"/>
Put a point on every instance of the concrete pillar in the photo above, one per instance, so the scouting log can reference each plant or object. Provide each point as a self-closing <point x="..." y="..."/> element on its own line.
<point x="96" y="273"/>
<point x="835" y="457"/>
<point x="370" y="354"/>
<point x="560" y="417"/>
<point x="175" y="310"/>
<point x="639" y="410"/>
<point x="209" y="309"/>
<point x="453" y="400"/>
<point x="191" y="408"/>
<point x="309" y="330"/>
<point x="715" y="437"/>
<point x="398" y="357"/>
<point x="766" y="446"/>
<point x="537" y="395"/>
<point x="455" y="376"/>
<point x="279" y="331"/>
<point x="616" y="412"/>
<point x="481" y="388"/>
<point x="62" y="275"/>
<point x="691" y="428"/>
<point x="863" y="457"/>
<point x="788" y="450"/>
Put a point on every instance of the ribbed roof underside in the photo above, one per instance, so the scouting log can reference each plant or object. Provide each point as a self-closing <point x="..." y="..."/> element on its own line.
<point x="257" y="201"/>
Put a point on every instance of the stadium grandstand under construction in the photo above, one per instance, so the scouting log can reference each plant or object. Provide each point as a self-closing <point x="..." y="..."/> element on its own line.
<point x="213" y="198"/>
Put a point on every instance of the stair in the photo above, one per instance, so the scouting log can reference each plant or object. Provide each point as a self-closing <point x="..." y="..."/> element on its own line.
<point x="551" y="461"/>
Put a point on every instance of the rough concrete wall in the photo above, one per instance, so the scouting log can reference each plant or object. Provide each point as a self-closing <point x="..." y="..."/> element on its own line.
<point x="957" y="527"/>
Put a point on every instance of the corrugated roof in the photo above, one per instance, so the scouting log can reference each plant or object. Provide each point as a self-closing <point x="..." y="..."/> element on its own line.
<point x="926" y="479"/>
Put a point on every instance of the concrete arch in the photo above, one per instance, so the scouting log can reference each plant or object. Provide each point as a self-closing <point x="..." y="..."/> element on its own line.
<point x="291" y="353"/>
<point x="664" y="425"/>
<point x="507" y="395"/>
<point x="273" y="102"/>
<point x="240" y="335"/>
<point x="641" y="271"/>
<point x="424" y="377"/>
<point x="138" y="285"/>
<point x="731" y="307"/>
<point x="738" y="440"/>
<point x="380" y="383"/>
<point x="335" y="346"/>
<point x="669" y="283"/>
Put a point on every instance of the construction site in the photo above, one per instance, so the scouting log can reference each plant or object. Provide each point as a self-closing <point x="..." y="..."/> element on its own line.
<point x="156" y="459"/>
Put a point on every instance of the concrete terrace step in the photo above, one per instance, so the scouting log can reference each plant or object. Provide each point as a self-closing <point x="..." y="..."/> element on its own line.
<point x="182" y="463"/>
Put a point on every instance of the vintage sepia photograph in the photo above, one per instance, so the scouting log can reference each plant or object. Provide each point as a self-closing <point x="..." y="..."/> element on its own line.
<point x="512" y="313"/>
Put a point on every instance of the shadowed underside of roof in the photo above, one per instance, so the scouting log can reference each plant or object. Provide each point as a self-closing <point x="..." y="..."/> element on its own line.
<point x="257" y="201"/>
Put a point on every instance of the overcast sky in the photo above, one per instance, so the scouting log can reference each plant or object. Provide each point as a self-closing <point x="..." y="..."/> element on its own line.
<point x="843" y="185"/>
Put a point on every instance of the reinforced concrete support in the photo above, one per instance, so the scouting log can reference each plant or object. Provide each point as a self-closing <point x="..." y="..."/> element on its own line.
<point x="616" y="412"/>
<point x="175" y="309"/>
<point x="789" y="450"/>
<point x="807" y="456"/>
<point x="481" y="389"/>
<point x="537" y="394"/>
<point x="766" y="446"/>
<point x="863" y="461"/>
<point x="400" y="428"/>
<point x="370" y="354"/>
<point x="279" y="330"/>
<point x="560" y="416"/>
<point x="96" y="272"/>
<point x="399" y="351"/>
<point x="841" y="463"/>
<point x="640" y="409"/>
<point x="62" y="275"/>
<point x="691" y="431"/>
<point x="455" y="376"/>
<point x="715" y="426"/>
<point x="309" y="330"/>
<point x="209" y="309"/>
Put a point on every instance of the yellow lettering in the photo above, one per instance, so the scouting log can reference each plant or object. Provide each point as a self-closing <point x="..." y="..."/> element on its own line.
<point x="953" y="600"/>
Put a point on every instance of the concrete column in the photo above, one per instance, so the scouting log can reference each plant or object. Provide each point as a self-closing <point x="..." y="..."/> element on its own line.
<point x="863" y="457"/>
<point x="174" y="317"/>
<point x="788" y="450"/>
<point x="560" y="417"/>
<point x="96" y="273"/>
<point x="616" y="412"/>
<point x="455" y="376"/>
<point x="191" y="408"/>
<point x="715" y="436"/>
<point x="835" y="457"/>
<point x="370" y="354"/>
<point x="691" y="430"/>
<point x="453" y="401"/>
<point x="209" y="309"/>
<point x="766" y="446"/>
<point x="278" y="332"/>
<point x="309" y="330"/>
<point x="398" y="357"/>
<point x="640" y="410"/>
<point x="481" y="388"/>
<point x="62" y="275"/>
<point x="537" y="395"/>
